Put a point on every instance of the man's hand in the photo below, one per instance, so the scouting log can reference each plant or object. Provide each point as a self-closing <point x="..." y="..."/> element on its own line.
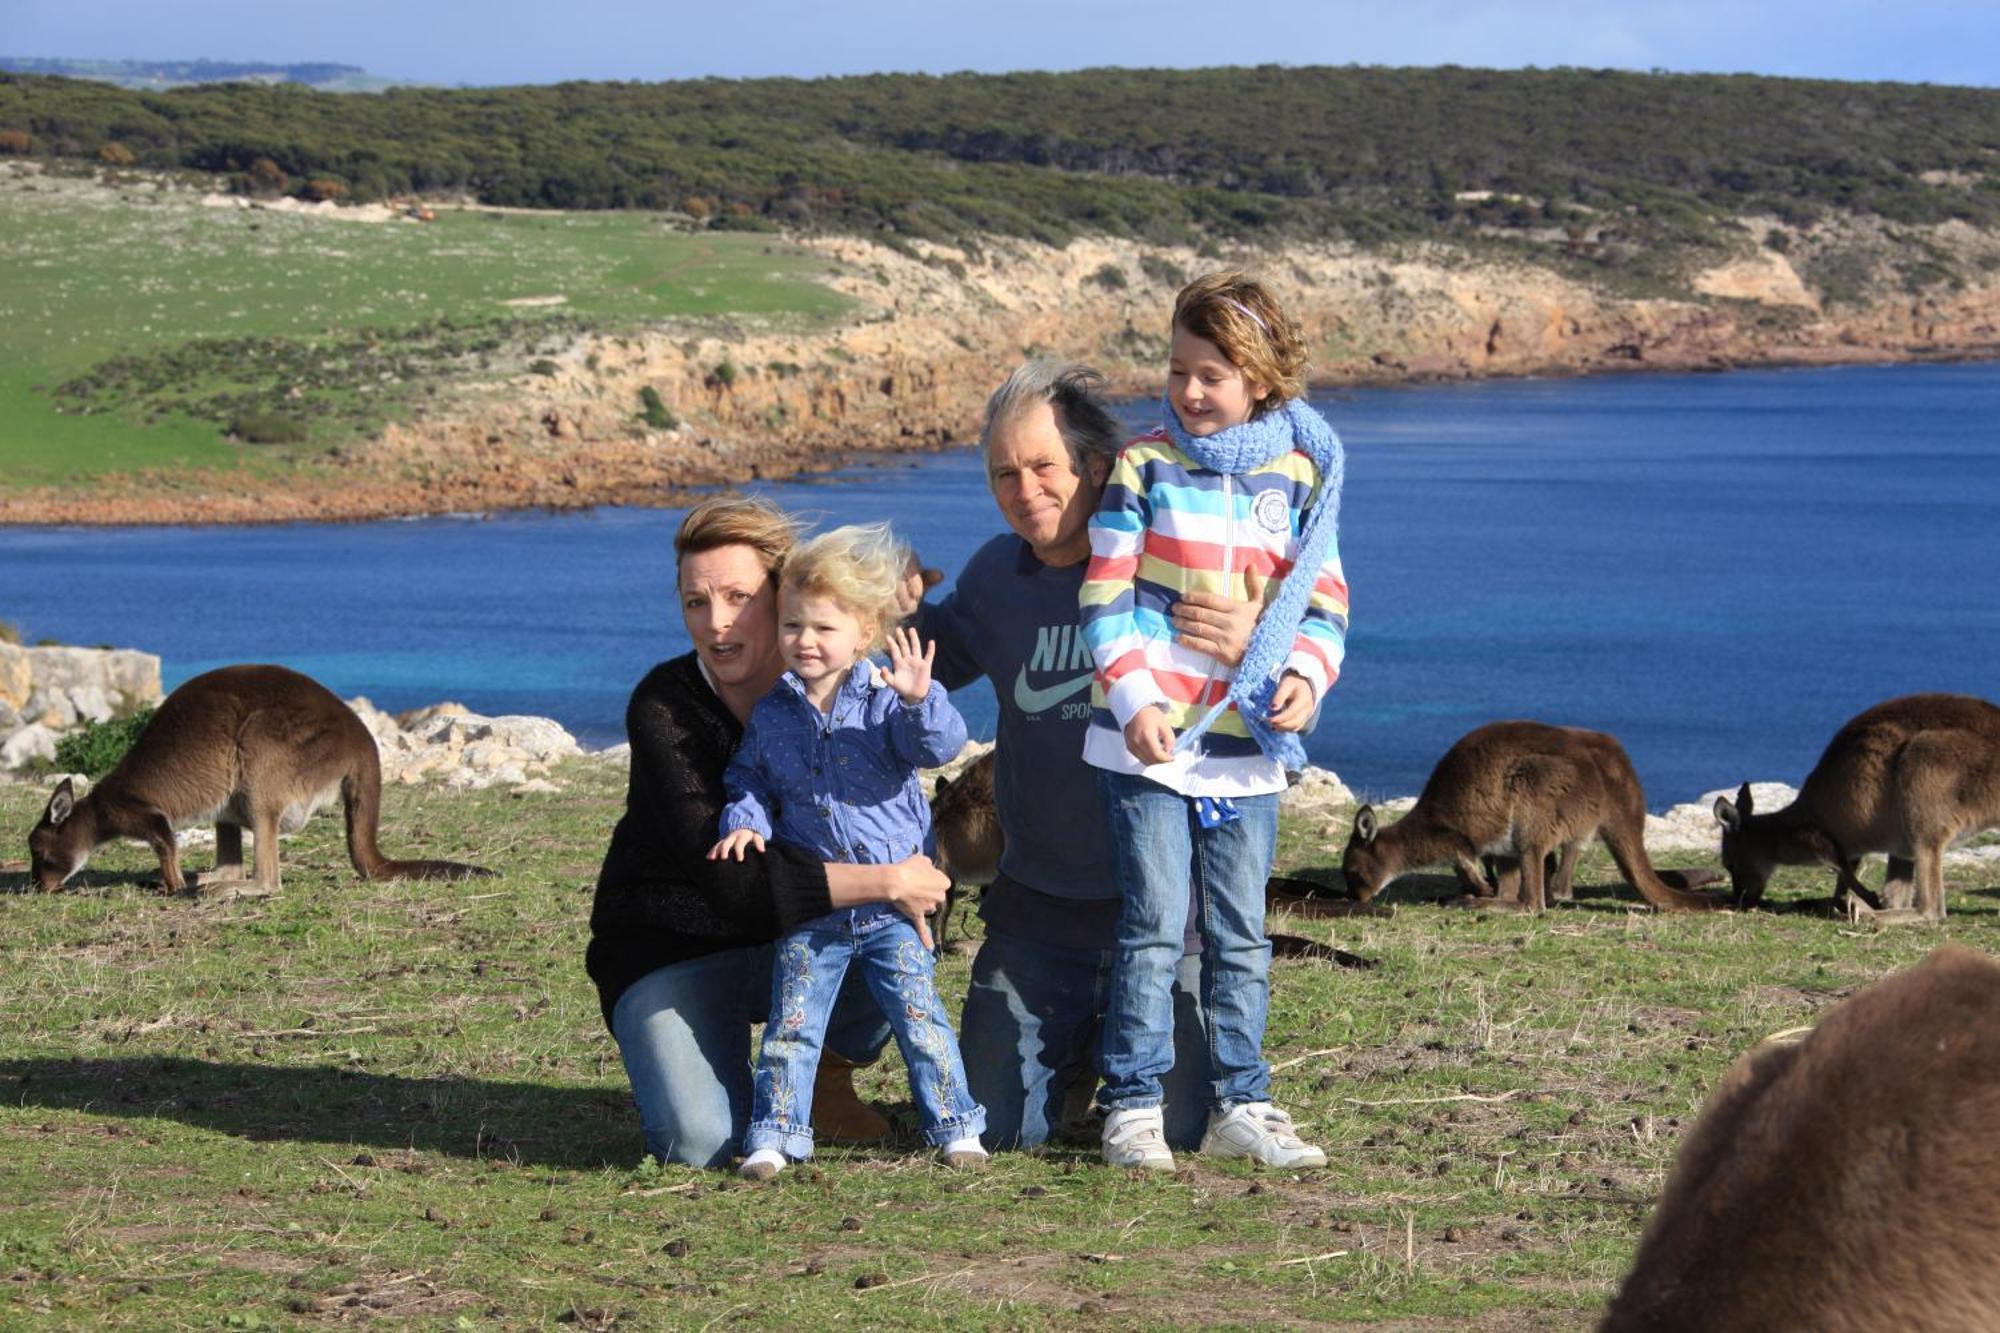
<point x="1220" y="626"/>
<point x="1148" y="736"/>
<point x="909" y="673"/>
<point x="732" y="845"/>
<point x="916" y="581"/>
<point x="1292" y="705"/>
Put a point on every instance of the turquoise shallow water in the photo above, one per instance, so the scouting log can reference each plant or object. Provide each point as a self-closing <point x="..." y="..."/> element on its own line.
<point x="1717" y="569"/>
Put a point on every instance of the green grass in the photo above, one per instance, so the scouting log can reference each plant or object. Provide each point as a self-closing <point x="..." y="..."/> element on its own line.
<point x="399" y="1100"/>
<point x="90" y="272"/>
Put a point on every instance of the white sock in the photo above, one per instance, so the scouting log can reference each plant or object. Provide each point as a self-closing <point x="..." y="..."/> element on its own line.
<point x="767" y="1156"/>
<point x="970" y="1143"/>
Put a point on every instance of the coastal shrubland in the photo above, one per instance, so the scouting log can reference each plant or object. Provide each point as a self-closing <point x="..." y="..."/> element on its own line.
<point x="894" y="240"/>
<point x="356" y="1100"/>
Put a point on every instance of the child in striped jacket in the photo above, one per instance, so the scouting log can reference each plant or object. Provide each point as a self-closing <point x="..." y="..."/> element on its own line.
<point x="1241" y="481"/>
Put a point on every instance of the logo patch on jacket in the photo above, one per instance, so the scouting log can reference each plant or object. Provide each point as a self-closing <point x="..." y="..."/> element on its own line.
<point x="1272" y="512"/>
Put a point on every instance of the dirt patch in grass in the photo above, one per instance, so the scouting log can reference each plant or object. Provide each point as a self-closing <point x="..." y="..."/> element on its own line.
<point x="394" y="1296"/>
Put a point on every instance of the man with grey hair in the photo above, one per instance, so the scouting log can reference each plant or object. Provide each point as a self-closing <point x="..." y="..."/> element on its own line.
<point x="1039" y="984"/>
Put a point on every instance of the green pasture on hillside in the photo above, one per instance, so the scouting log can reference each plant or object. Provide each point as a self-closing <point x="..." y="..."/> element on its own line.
<point x="90" y="272"/>
<point x="397" y="1101"/>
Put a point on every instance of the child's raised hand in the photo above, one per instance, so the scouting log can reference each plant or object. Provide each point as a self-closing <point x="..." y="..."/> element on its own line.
<point x="1292" y="705"/>
<point x="910" y="660"/>
<point x="1148" y="736"/>
<point x="732" y="845"/>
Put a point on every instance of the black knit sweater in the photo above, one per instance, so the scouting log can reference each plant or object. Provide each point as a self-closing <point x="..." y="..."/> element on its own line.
<point x="660" y="900"/>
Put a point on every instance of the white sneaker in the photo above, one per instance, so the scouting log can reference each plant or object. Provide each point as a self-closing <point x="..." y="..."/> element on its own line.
<point x="1137" y="1137"/>
<point x="966" y="1154"/>
<point x="1261" y="1131"/>
<point x="764" y="1164"/>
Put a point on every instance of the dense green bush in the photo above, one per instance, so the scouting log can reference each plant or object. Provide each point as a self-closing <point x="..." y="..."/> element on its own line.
<point x="95" y="748"/>
<point x="267" y="428"/>
<point x="654" y="411"/>
<point x="1359" y="152"/>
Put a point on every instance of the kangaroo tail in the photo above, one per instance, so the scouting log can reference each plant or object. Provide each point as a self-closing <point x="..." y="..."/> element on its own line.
<point x="361" y="795"/>
<point x="1637" y="868"/>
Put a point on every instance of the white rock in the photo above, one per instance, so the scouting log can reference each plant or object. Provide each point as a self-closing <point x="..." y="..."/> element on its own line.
<point x="91" y="702"/>
<point x="1317" y="788"/>
<point x="1692" y="827"/>
<point x="614" y="754"/>
<point x="50" y="705"/>
<point x="539" y="736"/>
<point x="535" y="787"/>
<point x="33" y="741"/>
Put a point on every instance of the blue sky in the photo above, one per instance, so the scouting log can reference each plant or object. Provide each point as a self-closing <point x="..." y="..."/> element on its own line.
<point x="542" y="41"/>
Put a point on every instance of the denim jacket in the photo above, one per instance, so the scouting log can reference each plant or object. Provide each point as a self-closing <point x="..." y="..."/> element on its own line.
<point x="843" y="784"/>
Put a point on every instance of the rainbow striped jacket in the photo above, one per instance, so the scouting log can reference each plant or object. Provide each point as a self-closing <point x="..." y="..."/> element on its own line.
<point x="1166" y="526"/>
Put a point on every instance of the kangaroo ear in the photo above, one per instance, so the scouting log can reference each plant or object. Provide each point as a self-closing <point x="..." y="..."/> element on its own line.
<point x="1727" y="815"/>
<point x="61" y="803"/>
<point x="1743" y="801"/>
<point x="1364" y="823"/>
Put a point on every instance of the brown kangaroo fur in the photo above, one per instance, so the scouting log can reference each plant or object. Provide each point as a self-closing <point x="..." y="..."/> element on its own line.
<point x="1908" y="777"/>
<point x="965" y="816"/>
<point x="1522" y="790"/>
<point x="1844" y="1183"/>
<point x="256" y="747"/>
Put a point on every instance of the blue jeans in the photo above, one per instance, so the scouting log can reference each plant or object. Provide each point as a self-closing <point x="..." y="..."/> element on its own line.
<point x="1156" y="846"/>
<point x="1031" y="1025"/>
<point x="684" y="1034"/>
<point x="896" y="967"/>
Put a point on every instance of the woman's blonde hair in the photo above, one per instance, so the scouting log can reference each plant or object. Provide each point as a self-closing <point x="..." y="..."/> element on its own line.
<point x="737" y="520"/>
<point x="860" y="566"/>
<point x="1244" y="320"/>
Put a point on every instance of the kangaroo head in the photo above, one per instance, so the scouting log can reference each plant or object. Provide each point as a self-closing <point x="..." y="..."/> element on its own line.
<point x="1364" y="865"/>
<point x="1745" y="856"/>
<point x="59" y="844"/>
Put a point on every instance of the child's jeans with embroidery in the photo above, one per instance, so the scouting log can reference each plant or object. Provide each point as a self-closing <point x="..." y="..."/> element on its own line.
<point x="805" y="978"/>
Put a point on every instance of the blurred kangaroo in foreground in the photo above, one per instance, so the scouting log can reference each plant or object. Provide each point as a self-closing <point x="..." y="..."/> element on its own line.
<point x="1844" y="1182"/>
<point x="965" y="817"/>
<point x="1908" y="777"/>
<point x="1519" y="790"/>
<point x="256" y="747"/>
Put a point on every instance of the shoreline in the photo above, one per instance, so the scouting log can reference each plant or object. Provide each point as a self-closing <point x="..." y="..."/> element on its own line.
<point x="932" y="328"/>
<point x="232" y="500"/>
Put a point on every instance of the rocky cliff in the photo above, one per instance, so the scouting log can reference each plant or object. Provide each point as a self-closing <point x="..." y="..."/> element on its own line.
<point x="935" y="327"/>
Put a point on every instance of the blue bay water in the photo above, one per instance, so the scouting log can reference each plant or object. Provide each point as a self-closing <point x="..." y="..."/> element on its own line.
<point x="1717" y="569"/>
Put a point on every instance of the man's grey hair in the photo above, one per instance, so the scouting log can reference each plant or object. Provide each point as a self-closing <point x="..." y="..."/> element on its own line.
<point x="1075" y="392"/>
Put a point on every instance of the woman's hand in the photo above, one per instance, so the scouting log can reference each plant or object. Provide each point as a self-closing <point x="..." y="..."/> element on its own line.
<point x="916" y="889"/>
<point x="1148" y="736"/>
<point x="1220" y="626"/>
<point x="910" y="659"/>
<point x="1292" y="705"/>
<point x="732" y="845"/>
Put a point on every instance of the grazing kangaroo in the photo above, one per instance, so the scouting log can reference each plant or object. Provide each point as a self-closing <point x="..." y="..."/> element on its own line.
<point x="256" y="747"/>
<point x="1843" y="1183"/>
<point x="1908" y="777"/>
<point x="965" y="816"/>
<point x="1520" y="790"/>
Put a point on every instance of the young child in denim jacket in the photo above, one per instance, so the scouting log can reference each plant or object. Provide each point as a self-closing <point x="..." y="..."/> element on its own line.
<point x="1240" y="476"/>
<point x="829" y="762"/>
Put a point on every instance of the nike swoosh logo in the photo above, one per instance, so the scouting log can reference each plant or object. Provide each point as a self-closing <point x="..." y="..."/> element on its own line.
<point x="1030" y="700"/>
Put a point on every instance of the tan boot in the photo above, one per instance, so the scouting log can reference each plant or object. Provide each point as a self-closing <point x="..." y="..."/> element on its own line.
<point x="839" y="1116"/>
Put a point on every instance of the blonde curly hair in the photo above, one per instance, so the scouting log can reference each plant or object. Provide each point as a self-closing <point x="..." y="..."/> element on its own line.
<point x="1243" y="319"/>
<point x="860" y="566"/>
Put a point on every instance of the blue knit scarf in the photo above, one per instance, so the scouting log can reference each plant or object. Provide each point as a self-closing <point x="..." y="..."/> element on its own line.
<point x="1235" y="451"/>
